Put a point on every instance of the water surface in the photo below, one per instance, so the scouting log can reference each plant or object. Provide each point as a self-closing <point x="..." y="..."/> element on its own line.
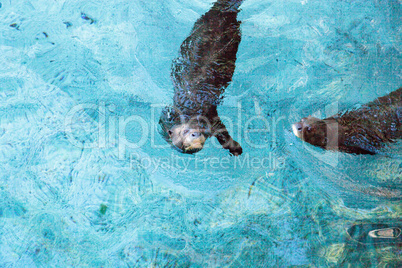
<point x="86" y="180"/>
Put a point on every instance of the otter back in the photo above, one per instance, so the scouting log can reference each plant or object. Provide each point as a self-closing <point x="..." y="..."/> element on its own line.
<point x="374" y="124"/>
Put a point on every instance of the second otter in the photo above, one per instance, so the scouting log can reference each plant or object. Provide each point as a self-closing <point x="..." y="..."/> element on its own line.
<point x="361" y="131"/>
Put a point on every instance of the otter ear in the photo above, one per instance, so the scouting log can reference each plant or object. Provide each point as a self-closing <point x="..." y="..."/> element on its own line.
<point x="310" y="129"/>
<point x="170" y="133"/>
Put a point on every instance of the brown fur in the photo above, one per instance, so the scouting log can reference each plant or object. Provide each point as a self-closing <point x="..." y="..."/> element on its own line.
<point x="200" y="75"/>
<point x="361" y="131"/>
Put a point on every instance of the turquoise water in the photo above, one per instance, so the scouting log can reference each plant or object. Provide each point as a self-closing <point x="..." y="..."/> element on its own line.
<point x="86" y="180"/>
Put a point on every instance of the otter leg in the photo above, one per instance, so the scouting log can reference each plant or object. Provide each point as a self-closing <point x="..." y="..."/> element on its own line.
<point x="224" y="138"/>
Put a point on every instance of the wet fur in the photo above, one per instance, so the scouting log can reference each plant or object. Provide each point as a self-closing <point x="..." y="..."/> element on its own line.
<point x="362" y="131"/>
<point x="201" y="73"/>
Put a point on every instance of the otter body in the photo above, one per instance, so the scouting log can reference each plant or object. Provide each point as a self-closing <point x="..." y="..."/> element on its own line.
<point x="361" y="131"/>
<point x="200" y="75"/>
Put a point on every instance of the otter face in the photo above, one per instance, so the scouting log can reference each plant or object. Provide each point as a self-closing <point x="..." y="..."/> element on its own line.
<point x="311" y="130"/>
<point x="186" y="138"/>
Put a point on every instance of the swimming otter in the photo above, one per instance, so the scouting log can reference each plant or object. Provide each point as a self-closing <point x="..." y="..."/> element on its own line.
<point x="200" y="75"/>
<point x="361" y="131"/>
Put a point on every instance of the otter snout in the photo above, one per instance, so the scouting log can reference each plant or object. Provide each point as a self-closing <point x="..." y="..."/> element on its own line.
<point x="297" y="129"/>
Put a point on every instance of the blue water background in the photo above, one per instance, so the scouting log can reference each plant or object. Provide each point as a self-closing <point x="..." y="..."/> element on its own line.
<point x="73" y="194"/>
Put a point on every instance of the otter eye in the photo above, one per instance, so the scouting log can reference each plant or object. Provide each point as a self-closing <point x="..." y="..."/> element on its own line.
<point x="186" y="131"/>
<point x="170" y="132"/>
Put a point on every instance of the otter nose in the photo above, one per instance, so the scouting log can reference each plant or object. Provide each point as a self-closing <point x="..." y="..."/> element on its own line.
<point x="195" y="134"/>
<point x="297" y="129"/>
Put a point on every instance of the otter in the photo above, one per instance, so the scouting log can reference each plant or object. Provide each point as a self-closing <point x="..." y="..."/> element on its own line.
<point x="200" y="74"/>
<point x="361" y="131"/>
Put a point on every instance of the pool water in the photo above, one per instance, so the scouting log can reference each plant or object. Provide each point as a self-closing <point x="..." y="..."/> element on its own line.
<point x="86" y="179"/>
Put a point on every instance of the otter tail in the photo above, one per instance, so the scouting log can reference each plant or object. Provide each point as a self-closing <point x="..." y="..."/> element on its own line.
<point x="227" y="5"/>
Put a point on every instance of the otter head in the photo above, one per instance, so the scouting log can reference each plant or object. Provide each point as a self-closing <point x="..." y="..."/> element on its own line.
<point x="311" y="130"/>
<point x="186" y="138"/>
<point x="185" y="134"/>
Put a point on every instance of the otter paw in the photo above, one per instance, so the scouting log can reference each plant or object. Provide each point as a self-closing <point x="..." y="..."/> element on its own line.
<point x="235" y="148"/>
